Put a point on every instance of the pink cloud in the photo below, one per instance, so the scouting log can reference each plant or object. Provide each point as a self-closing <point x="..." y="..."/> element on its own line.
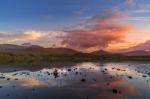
<point x="97" y="32"/>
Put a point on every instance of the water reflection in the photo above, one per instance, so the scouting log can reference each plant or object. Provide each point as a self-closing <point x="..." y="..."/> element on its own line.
<point x="77" y="81"/>
<point x="32" y="83"/>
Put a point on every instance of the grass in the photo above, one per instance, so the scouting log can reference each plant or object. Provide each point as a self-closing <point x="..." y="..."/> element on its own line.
<point x="24" y="57"/>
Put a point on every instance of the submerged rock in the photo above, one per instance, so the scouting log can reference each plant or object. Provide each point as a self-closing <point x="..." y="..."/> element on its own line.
<point x="8" y="78"/>
<point x="2" y="77"/>
<point x="76" y="73"/>
<point x="69" y="69"/>
<point x="55" y="73"/>
<point x="118" y="69"/>
<point x="130" y="77"/>
<point x="83" y="80"/>
<point x="144" y="76"/>
<point x="115" y="91"/>
<point x="16" y="79"/>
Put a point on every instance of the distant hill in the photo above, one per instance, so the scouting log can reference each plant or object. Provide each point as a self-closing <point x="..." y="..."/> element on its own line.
<point x="137" y="53"/>
<point x="62" y="51"/>
<point x="66" y="51"/>
<point x="101" y="52"/>
<point x="35" y="48"/>
<point x="130" y="53"/>
<point x="6" y="47"/>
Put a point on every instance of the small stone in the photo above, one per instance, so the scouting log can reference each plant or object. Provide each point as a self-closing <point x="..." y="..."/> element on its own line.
<point x="83" y="80"/>
<point x="130" y="77"/>
<point x="69" y="69"/>
<point x="144" y="76"/>
<point x="115" y="91"/>
<point x="8" y="78"/>
<point x="16" y="78"/>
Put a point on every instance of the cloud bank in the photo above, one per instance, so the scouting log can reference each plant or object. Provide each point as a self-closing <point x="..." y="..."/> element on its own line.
<point x="97" y="32"/>
<point x="35" y="37"/>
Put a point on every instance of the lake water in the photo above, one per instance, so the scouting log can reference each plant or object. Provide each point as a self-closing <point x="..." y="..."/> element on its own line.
<point x="86" y="80"/>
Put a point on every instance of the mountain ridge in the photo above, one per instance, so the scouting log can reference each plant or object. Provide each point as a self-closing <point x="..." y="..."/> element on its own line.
<point x="62" y="50"/>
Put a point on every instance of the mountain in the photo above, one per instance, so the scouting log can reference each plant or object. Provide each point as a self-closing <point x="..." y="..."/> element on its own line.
<point x="66" y="51"/>
<point x="62" y="51"/>
<point x="35" y="48"/>
<point x="130" y="53"/>
<point x="101" y="52"/>
<point x="137" y="53"/>
<point x="26" y="44"/>
<point x="6" y="47"/>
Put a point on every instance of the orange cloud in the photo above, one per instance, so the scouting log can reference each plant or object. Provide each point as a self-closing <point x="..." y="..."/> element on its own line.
<point x="97" y="32"/>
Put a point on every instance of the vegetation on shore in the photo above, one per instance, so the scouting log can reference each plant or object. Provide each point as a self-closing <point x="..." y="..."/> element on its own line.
<point x="24" y="57"/>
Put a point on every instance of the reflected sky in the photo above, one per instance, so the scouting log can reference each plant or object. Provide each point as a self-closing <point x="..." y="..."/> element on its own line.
<point x="85" y="80"/>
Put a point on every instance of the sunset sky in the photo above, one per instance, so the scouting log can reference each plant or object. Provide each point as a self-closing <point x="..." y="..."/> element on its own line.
<point x="85" y="25"/>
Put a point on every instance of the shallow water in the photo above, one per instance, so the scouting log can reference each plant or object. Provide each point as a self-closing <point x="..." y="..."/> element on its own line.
<point x="86" y="80"/>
